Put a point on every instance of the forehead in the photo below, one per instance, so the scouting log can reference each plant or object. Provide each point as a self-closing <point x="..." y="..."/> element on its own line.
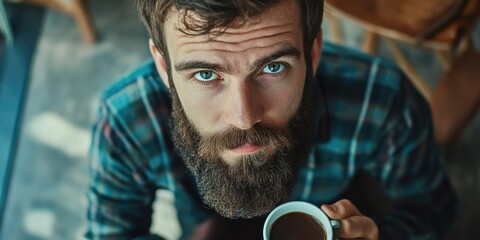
<point x="278" y="25"/>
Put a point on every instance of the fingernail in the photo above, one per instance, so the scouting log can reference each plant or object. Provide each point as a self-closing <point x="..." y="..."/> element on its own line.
<point x="331" y="208"/>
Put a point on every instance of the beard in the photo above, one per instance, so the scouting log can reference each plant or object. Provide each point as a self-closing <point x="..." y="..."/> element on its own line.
<point x="253" y="184"/>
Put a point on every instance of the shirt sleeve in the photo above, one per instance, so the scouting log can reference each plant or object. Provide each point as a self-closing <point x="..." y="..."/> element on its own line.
<point x="411" y="171"/>
<point x="119" y="196"/>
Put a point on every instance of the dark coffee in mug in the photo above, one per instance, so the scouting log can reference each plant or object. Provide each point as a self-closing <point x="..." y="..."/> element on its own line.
<point x="298" y="226"/>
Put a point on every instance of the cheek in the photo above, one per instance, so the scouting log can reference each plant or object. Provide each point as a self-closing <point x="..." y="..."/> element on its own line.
<point x="198" y="106"/>
<point x="285" y="102"/>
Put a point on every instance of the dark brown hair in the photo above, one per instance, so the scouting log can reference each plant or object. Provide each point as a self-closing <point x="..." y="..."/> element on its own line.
<point x="219" y="14"/>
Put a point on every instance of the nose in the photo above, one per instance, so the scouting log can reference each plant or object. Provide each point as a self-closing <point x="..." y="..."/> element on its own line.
<point x="242" y="108"/>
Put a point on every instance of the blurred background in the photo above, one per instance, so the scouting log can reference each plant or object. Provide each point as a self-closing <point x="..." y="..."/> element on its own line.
<point x="61" y="55"/>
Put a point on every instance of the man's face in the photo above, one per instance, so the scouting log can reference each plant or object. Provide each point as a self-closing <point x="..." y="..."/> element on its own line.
<point x="240" y="115"/>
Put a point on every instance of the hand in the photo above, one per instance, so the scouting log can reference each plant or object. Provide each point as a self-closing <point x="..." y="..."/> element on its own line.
<point x="352" y="223"/>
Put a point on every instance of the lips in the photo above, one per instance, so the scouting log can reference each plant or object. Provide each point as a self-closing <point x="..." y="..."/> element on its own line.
<point x="246" y="148"/>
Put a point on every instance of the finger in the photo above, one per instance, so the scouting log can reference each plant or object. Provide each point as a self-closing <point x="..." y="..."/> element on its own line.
<point x="341" y="209"/>
<point x="358" y="227"/>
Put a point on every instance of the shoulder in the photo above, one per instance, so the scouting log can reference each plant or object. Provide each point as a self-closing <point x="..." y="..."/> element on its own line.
<point x="354" y="79"/>
<point x="144" y="80"/>
<point x="352" y="69"/>
<point x="138" y="104"/>
<point x="131" y="129"/>
<point x="363" y="93"/>
<point x="138" y="94"/>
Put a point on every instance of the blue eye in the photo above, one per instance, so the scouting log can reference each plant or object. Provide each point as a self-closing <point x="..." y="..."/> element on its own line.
<point x="205" y="76"/>
<point x="273" y="68"/>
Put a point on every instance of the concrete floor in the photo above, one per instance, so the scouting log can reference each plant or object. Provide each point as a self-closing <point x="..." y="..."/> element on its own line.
<point x="47" y="193"/>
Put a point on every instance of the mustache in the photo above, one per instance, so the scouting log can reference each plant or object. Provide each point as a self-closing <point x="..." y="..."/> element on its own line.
<point x="260" y="135"/>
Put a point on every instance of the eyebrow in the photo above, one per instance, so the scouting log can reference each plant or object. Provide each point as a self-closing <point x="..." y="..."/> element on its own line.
<point x="286" y="51"/>
<point x="190" y="65"/>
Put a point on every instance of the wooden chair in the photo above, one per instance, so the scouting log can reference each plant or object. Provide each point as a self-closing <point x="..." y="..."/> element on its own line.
<point x="457" y="96"/>
<point x="75" y="8"/>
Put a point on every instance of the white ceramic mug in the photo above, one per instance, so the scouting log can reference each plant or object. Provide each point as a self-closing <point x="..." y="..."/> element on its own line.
<point x="330" y="226"/>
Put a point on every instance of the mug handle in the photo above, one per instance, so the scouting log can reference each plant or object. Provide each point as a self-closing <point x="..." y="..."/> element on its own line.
<point x="335" y="227"/>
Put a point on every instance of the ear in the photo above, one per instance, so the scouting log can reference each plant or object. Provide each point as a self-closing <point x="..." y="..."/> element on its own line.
<point x="160" y="62"/>
<point x="316" y="51"/>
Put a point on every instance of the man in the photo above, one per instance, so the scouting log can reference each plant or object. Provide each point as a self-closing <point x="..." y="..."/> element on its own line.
<point x="259" y="115"/>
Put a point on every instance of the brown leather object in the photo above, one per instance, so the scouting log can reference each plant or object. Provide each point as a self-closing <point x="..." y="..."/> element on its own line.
<point x="406" y="20"/>
<point x="457" y="96"/>
<point x="413" y="15"/>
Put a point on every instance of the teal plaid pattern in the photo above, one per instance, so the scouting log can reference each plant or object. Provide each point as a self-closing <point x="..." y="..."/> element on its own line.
<point x="369" y="118"/>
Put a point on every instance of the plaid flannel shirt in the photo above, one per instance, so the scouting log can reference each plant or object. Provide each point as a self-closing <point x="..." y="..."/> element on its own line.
<point x="369" y="118"/>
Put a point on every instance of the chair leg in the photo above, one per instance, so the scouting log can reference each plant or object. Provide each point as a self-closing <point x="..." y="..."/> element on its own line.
<point x="444" y="58"/>
<point x="49" y="3"/>
<point x="77" y="9"/>
<point x="466" y="43"/>
<point x="370" y="42"/>
<point x="403" y="62"/>
<point x="335" y="28"/>
<point x="457" y="97"/>
<point x="84" y="22"/>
